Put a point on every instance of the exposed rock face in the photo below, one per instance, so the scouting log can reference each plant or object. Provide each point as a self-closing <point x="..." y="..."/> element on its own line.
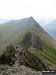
<point x="31" y="40"/>
<point x="27" y="40"/>
<point x="24" y="57"/>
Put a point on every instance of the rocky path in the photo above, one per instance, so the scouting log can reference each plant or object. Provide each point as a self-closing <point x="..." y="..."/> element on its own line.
<point x="16" y="69"/>
<point x="21" y="70"/>
<point x="17" y="55"/>
<point x="33" y="36"/>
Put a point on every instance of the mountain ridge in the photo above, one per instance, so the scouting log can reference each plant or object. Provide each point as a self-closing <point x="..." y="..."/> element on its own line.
<point x="40" y="40"/>
<point x="16" y="28"/>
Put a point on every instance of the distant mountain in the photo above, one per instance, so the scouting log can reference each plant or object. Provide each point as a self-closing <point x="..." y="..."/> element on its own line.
<point x="3" y="21"/>
<point x="40" y="21"/>
<point x="31" y="36"/>
<point x="51" y="28"/>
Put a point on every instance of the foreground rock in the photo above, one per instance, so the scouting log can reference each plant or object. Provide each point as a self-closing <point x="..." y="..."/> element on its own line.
<point x="21" y="70"/>
<point x="22" y="57"/>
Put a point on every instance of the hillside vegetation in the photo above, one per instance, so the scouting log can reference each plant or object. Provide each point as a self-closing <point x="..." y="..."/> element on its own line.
<point x="29" y="35"/>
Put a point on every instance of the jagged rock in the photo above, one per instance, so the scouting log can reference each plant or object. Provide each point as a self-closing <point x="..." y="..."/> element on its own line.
<point x="31" y="40"/>
<point x="26" y="58"/>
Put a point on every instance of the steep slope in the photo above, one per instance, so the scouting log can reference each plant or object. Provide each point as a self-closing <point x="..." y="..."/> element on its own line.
<point x="31" y="37"/>
<point x="40" y="47"/>
<point x="12" y="30"/>
<point x="51" y="28"/>
<point x="31" y="40"/>
<point x="44" y="46"/>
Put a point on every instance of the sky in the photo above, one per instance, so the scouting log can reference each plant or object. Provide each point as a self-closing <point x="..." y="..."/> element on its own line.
<point x="39" y="9"/>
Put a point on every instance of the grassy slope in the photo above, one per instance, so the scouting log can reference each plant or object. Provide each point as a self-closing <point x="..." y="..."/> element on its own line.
<point x="48" y="55"/>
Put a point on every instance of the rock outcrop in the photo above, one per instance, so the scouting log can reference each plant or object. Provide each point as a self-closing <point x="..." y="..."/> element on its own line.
<point x="32" y="40"/>
<point x="29" y="60"/>
<point x="18" y="68"/>
<point x="24" y="57"/>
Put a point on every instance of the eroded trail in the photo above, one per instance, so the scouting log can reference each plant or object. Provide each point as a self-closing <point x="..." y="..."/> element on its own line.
<point x="16" y="69"/>
<point x="18" y="57"/>
<point x="33" y="37"/>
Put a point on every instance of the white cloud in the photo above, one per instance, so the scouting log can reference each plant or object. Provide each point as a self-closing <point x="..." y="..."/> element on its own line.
<point x="10" y="9"/>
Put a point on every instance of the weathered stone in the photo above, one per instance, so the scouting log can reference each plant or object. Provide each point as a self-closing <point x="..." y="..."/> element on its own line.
<point x="23" y="57"/>
<point x="21" y="70"/>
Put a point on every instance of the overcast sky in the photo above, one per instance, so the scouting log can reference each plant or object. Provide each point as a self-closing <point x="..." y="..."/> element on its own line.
<point x="15" y="9"/>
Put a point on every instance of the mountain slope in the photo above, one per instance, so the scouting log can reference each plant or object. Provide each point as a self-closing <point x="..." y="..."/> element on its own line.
<point x="31" y="36"/>
<point x="12" y="30"/>
<point x="40" y="47"/>
<point x="51" y="28"/>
